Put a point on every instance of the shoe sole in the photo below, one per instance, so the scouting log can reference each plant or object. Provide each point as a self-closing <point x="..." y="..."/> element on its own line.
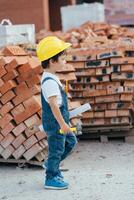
<point x="55" y="188"/>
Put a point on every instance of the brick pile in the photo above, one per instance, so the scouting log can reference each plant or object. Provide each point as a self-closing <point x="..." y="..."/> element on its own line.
<point x="20" y="105"/>
<point x="100" y="33"/>
<point x="105" y="79"/>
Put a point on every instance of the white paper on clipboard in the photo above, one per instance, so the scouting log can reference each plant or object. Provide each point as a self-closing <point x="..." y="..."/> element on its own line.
<point x="79" y="110"/>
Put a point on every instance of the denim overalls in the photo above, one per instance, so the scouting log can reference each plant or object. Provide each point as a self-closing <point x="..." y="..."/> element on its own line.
<point x="59" y="145"/>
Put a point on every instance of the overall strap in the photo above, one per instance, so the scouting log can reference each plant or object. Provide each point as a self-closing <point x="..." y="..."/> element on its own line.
<point x="50" y="78"/>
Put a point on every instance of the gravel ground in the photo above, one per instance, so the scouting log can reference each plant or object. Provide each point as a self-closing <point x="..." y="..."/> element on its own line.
<point x="97" y="171"/>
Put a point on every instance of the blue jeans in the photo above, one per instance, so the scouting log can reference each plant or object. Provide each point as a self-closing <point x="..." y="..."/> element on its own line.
<point x="59" y="147"/>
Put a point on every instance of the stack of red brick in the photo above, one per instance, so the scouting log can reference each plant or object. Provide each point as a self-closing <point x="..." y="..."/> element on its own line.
<point x="100" y="33"/>
<point x="20" y="105"/>
<point x="105" y="79"/>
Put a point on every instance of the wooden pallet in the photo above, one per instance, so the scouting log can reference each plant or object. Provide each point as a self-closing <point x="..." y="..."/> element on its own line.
<point x="106" y="134"/>
<point x="21" y="162"/>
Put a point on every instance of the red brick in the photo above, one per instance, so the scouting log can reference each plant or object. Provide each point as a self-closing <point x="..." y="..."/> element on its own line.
<point x="1" y="137"/>
<point x="34" y="150"/>
<point x="94" y="93"/>
<point x="116" y="68"/>
<point x="99" y="114"/>
<point x="19" y="152"/>
<point x="109" y="85"/>
<point x="11" y="65"/>
<point x="103" y="71"/>
<point x="19" y="129"/>
<point x="126" y="97"/>
<point x="8" y="128"/>
<point x="7" y="140"/>
<point x="120" y="120"/>
<point x="125" y="60"/>
<point x="32" y="106"/>
<point x="34" y="101"/>
<point x="87" y="72"/>
<point x="17" y="110"/>
<point x="7" y="97"/>
<point x="123" y="113"/>
<point x="22" y="97"/>
<point x="97" y="63"/>
<point x="44" y="144"/>
<point x="78" y="65"/>
<point x="110" y="113"/>
<point x="6" y="108"/>
<point x="122" y="105"/>
<point x="32" y="120"/>
<point x="10" y="75"/>
<point x="100" y="79"/>
<point x="21" y="87"/>
<point x="35" y="89"/>
<point x="21" y="60"/>
<point x="40" y="113"/>
<point x="25" y="68"/>
<point x="115" y="90"/>
<point x="18" y="141"/>
<point x="62" y="69"/>
<point x="1" y="149"/>
<point x="13" y="51"/>
<point x="129" y="83"/>
<point x="127" y="68"/>
<point x="7" y="86"/>
<point x="22" y="77"/>
<point x="95" y="122"/>
<point x="0" y="105"/>
<point x="2" y="71"/>
<point x="1" y="82"/>
<point x="40" y="135"/>
<point x="30" y="142"/>
<point x="40" y="156"/>
<point x="88" y="114"/>
<point x="128" y="89"/>
<point x="34" y="79"/>
<point x="2" y="62"/>
<point x="5" y="120"/>
<point x="7" y="152"/>
<point x="106" y="99"/>
<point x="63" y="77"/>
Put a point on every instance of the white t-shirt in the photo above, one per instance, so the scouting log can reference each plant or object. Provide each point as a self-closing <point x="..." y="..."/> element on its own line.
<point x="51" y="87"/>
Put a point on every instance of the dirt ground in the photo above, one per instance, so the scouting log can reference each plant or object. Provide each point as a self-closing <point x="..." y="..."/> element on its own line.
<point x="97" y="171"/>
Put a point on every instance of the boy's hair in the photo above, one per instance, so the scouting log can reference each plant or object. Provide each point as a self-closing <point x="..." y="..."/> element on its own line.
<point x="45" y="63"/>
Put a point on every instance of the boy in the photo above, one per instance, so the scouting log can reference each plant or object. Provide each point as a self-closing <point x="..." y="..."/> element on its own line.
<point x="55" y="114"/>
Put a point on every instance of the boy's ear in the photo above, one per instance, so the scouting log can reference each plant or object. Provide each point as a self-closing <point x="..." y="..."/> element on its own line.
<point x="51" y="61"/>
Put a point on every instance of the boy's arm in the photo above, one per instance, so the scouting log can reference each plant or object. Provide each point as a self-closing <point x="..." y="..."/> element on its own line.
<point x="57" y="114"/>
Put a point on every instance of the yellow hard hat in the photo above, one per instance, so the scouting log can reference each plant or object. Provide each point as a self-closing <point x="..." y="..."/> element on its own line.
<point x="50" y="46"/>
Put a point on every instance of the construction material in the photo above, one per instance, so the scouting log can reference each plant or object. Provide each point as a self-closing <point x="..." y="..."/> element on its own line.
<point x="105" y="80"/>
<point x="20" y="106"/>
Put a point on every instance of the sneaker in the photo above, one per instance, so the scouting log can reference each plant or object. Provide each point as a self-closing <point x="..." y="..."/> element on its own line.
<point x="56" y="184"/>
<point x="60" y="176"/>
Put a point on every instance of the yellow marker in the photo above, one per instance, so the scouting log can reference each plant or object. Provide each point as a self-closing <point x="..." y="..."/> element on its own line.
<point x="73" y="129"/>
<point x="67" y="87"/>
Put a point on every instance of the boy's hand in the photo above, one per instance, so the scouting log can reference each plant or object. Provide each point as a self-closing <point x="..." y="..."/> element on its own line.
<point x="65" y="128"/>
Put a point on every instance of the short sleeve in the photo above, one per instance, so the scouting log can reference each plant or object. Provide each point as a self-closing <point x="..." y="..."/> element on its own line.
<point x="50" y="88"/>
